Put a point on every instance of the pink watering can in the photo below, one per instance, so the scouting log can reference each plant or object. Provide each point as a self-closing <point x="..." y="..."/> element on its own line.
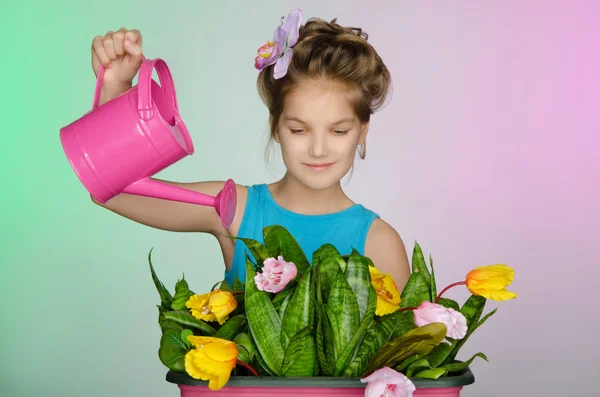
<point x="116" y="148"/>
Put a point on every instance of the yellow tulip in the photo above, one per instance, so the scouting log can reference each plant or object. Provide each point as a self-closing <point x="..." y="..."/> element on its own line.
<point x="491" y="282"/>
<point x="214" y="306"/>
<point x="388" y="297"/>
<point x="212" y="360"/>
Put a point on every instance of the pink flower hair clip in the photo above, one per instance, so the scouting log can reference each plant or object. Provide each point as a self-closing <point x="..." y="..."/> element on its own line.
<point x="279" y="51"/>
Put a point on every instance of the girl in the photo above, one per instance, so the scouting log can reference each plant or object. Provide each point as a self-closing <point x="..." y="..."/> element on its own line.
<point x="320" y="82"/>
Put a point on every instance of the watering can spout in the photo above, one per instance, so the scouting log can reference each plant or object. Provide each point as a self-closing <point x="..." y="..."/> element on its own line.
<point x="224" y="202"/>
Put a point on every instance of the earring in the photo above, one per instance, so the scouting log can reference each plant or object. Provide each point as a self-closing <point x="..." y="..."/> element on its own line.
<point x="362" y="151"/>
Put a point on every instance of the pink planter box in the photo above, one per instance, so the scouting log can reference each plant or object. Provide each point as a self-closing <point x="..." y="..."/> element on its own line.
<point x="315" y="387"/>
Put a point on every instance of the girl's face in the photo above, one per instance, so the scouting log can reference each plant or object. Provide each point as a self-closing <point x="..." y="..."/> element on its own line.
<point x="319" y="132"/>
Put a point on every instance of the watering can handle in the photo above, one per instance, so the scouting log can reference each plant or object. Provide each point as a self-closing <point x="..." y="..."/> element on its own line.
<point x="145" y="108"/>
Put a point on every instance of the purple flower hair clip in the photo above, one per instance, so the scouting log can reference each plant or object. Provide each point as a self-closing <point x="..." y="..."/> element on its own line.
<point x="279" y="51"/>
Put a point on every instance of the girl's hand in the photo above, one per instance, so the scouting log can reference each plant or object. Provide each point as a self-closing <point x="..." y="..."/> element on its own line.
<point x="121" y="53"/>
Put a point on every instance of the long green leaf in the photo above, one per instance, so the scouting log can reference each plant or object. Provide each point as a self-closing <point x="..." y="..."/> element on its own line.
<point x="472" y="309"/>
<point x="432" y="283"/>
<point x="405" y="321"/>
<point x="264" y="323"/>
<point x="330" y="264"/>
<point x="165" y="295"/>
<point x="279" y="241"/>
<point x="461" y="342"/>
<point x="415" y="292"/>
<point x="417" y="341"/>
<point x="342" y="310"/>
<point x="432" y="373"/>
<point x="417" y="366"/>
<point x="449" y="303"/>
<point x="407" y="362"/>
<point x="185" y="318"/>
<point x="282" y="299"/>
<point x="325" y="342"/>
<point x="419" y="266"/>
<point x="439" y="354"/>
<point x="351" y="348"/>
<point x="301" y="355"/>
<point x="460" y="366"/>
<point x="359" y="279"/>
<point x="300" y="311"/>
<point x="258" y="250"/>
<point x="377" y="335"/>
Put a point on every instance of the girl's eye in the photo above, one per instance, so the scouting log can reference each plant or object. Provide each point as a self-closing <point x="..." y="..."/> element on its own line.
<point x="296" y="131"/>
<point x="339" y="132"/>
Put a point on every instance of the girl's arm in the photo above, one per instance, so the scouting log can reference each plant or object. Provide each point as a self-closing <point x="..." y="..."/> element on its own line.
<point x="177" y="216"/>
<point x="387" y="251"/>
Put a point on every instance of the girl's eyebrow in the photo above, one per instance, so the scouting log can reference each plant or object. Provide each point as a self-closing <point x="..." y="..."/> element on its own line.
<point x="345" y="119"/>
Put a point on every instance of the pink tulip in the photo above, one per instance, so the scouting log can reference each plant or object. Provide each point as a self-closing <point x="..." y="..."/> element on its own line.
<point x="386" y="382"/>
<point x="276" y="274"/>
<point x="455" y="322"/>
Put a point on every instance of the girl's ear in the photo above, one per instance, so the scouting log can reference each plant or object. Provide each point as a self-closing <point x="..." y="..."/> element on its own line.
<point x="276" y="134"/>
<point x="364" y="129"/>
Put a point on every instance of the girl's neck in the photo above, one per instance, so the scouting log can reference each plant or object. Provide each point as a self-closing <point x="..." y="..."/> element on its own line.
<point x="294" y="196"/>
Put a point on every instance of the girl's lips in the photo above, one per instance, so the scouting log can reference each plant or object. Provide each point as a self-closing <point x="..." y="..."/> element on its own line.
<point x="319" y="167"/>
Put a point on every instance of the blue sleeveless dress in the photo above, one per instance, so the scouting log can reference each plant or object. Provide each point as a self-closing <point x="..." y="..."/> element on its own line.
<point x="345" y="229"/>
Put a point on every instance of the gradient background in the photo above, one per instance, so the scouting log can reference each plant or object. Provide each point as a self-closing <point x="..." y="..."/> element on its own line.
<point x="487" y="153"/>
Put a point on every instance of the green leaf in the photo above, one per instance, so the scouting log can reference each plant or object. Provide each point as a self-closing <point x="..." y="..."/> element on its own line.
<point x="433" y="373"/>
<point x="329" y="263"/>
<point x="377" y="335"/>
<point x="439" y="354"/>
<point x="279" y="241"/>
<point x="417" y="367"/>
<point x="231" y="327"/>
<point x="184" y="334"/>
<point x="349" y="351"/>
<point x="300" y="311"/>
<point x="459" y="343"/>
<point x="172" y="350"/>
<point x="417" y="341"/>
<point x="449" y="303"/>
<point x="258" y="250"/>
<point x="165" y="324"/>
<point x="282" y="299"/>
<point x="301" y="355"/>
<point x="415" y="292"/>
<point x="460" y="366"/>
<point x="358" y="277"/>
<point x="343" y="313"/>
<point x="244" y="341"/>
<point x="165" y="296"/>
<point x="325" y="342"/>
<point x="264" y="323"/>
<point x="185" y="318"/>
<point x="182" y="294"/>
<point x="472" y="309"/>
<point x="405" y="321"/>
<point x="432" y="284"/>
<point x="407" y="362"/>
<point x="419" y="266"/>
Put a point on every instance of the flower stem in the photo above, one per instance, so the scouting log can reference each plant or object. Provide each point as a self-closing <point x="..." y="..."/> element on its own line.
<point x="247" y="366"/>
<point x="447" y="288"/>
<point x="405" y="309"/>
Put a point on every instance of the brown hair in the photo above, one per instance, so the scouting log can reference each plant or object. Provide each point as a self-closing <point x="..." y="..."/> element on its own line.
<point x="336" y="54"/>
